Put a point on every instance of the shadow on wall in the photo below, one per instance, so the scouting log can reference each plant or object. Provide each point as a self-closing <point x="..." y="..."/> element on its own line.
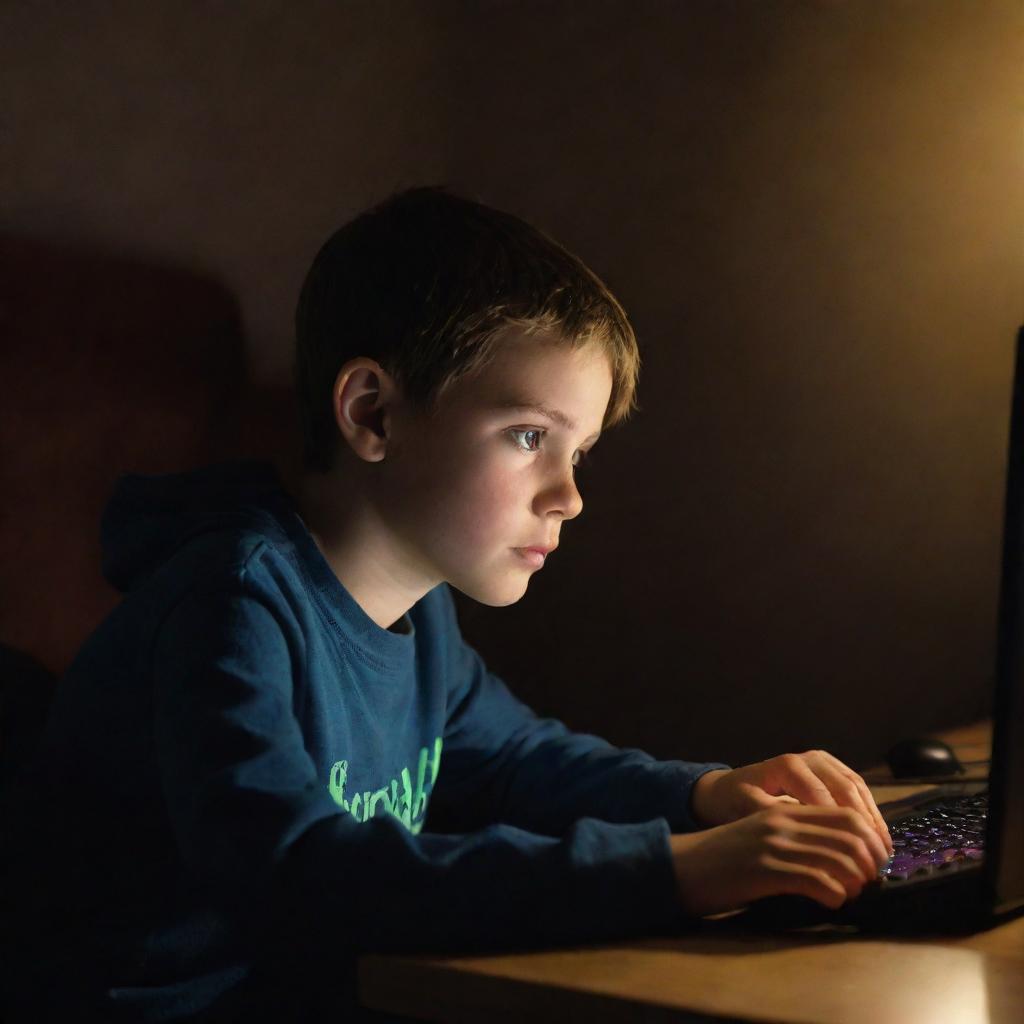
<point x="110" y="365"/>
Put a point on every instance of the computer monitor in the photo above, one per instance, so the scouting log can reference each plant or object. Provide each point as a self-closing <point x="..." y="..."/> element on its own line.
<point x="1005" y="842"/>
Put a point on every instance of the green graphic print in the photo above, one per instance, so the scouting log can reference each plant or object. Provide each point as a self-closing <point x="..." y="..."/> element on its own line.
<point x="408" y="804"/>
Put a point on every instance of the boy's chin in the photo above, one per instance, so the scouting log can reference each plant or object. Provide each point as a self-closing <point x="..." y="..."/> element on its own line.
<point x="494" y="594"/>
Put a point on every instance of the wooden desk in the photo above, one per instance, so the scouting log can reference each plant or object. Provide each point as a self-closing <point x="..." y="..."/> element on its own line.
<point x="721" y="972"/>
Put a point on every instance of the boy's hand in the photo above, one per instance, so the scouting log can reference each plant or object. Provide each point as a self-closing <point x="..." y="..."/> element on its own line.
<point x="826" y="853"/>
<point x="814" y="777"/>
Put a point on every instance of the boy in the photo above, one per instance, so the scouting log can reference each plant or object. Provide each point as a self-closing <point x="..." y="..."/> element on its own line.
<point x="278" y="752"/>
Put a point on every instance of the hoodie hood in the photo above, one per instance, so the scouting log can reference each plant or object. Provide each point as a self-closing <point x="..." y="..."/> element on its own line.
<point x="149" y="517"/>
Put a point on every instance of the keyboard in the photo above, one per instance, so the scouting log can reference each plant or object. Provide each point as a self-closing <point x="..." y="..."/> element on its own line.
<point x="930" y="882"/>
<point x="939" y="838"/>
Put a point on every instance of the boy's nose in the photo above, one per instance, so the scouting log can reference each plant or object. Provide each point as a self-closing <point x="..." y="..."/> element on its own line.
<point x="562" y="497"/>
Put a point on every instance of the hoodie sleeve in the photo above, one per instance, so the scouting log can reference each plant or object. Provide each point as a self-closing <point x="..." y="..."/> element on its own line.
<point x="251" y="819"/>
<point x="504" y="763"/>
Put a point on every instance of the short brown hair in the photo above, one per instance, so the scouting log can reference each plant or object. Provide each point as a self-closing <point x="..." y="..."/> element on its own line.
<point x="422" y="283"/>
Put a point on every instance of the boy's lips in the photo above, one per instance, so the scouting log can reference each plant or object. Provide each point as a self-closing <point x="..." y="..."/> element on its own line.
<point x="541" y="549"/>
<point x="534" y="556"/>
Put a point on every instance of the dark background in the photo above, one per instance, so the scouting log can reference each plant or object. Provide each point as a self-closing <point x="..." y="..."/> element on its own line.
<point x="813" y="213"/>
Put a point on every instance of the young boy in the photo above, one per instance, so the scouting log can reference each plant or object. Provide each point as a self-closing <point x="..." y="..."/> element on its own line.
<point x="278" y="752"/>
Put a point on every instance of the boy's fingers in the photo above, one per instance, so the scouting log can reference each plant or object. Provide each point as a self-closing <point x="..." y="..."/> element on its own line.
<point x="869" y="800"/>
<point x="805" y="880"/>
<point x="830" y="787"/>
<point x="838" y="863"/>
<point x="842" y="820"/>
<point x="848" y="795"/>
<point x="801" y="782"/>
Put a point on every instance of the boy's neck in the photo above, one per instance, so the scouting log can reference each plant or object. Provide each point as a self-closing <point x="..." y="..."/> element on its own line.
<point x="357" y="546"/>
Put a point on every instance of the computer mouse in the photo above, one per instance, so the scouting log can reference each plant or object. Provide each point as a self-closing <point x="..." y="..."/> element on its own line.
<point x="922" y="757"/>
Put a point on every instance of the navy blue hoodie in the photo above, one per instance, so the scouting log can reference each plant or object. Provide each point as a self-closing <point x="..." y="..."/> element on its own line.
<point x="245" y="782"/>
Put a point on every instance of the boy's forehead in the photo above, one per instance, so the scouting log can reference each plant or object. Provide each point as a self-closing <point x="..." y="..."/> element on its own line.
<point x="570" y="386"/>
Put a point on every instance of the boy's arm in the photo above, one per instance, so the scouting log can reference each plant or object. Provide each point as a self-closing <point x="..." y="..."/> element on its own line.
<point x="504" y="763"/>
<point x="252" y="821"/>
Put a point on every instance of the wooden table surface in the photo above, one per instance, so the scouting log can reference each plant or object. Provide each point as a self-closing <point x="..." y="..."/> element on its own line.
<point x="721" y="972"/>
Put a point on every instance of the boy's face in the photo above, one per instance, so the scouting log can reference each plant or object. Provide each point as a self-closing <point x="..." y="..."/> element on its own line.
<point x="468" y="489"/>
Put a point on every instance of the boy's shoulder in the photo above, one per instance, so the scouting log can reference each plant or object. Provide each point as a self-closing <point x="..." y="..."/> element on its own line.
<point x="201" y="524"/>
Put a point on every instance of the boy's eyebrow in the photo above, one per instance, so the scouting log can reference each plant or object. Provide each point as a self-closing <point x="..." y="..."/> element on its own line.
<point x="520" y="405"/>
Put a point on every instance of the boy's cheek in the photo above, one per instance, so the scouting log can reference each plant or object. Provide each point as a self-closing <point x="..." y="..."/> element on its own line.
<point x="464" y="506"/>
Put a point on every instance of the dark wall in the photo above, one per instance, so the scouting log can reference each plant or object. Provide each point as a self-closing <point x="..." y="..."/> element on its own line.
<point x="813" y="213"/>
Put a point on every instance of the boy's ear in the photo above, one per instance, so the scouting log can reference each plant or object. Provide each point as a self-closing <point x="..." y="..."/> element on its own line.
<point x="363" y="397"/>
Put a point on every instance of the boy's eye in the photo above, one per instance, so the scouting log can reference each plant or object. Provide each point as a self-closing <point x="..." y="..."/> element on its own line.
<point x="577" y="460"/>
<point x="538" y="434"/>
